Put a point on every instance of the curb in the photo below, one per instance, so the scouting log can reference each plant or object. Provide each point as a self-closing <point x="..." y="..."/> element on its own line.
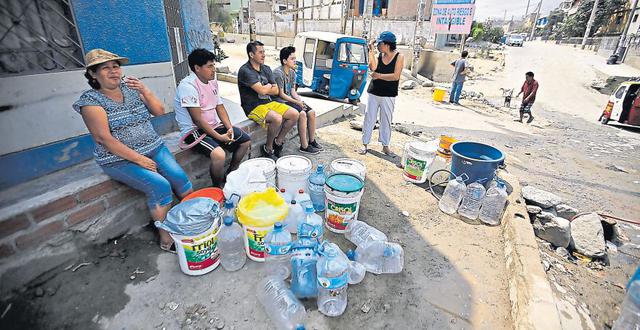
<point x="532" y="303"/>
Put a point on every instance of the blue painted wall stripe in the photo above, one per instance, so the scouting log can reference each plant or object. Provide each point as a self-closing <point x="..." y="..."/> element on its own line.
<point x="136" y="29"/>
<point x="22" y="166"/>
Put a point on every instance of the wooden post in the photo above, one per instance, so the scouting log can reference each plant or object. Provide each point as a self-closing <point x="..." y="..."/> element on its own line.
<point x="295" y="20"/>
<point x="275" y="26"/>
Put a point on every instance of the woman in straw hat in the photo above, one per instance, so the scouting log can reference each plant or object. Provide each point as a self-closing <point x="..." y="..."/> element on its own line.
<point x="117" y="113"/>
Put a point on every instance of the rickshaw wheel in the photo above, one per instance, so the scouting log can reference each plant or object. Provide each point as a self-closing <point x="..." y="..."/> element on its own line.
<point x="604" y="120"/>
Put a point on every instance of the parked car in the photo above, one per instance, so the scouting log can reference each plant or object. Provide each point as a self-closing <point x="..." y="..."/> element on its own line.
<point x="515" y="40"/>
<point x="624" y="105"/>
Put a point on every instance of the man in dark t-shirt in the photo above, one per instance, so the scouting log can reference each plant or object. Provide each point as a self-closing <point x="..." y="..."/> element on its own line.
<point x="258" y="91"/>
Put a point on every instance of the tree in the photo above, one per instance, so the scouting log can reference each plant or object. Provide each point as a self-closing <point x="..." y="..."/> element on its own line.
<point x="477" y="31"/>
<point x="576" y="24"/>
<point x="218" y="14"/>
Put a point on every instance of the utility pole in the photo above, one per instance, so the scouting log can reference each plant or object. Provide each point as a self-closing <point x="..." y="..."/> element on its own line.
<point x="417" y="38"/>
<point x="535" y="21"/>
<point x="592" y="18"/>
<point x="620" y="48"/>
<point x="252" y="25"/>
<point x="346" y="9"/>
<point x="275" y="26"/>
<point x="504" y="18"/>
<point x="527" y="11"/>
<point x="295" y="20"/>
<point x="366" y="19"/>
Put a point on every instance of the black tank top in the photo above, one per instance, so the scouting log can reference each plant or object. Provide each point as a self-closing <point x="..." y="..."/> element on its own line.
<point x="381" y="87"/>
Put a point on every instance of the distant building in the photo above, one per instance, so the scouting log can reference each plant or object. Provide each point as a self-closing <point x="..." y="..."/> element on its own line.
<point x="618" y="20"/>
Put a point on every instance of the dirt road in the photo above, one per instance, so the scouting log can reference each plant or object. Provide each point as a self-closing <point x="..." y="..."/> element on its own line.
<point x="565" y="150"/>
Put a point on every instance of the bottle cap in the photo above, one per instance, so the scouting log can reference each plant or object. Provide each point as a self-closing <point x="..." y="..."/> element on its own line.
<point x="228" y="221"/>
<point x="309" y="209"/>
<point x="320" y="168"/>
<point x="351" y="255"/>
<point x="293" y="201"/>
<point x="228" y="204"/>
<point x="277" y="226"/>
<point x="301" y="191"/>
<point x="300" y="327"/>
<point x="282" y="190"/>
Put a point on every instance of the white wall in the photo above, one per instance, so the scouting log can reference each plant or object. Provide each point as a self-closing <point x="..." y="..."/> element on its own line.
<point x="40" y="109"/>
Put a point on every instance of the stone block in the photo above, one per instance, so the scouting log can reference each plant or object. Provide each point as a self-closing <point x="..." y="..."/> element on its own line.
<point x="556" y="231"/>
<point x="540" y="197"/>
<point x="587" y="235"/>
<point x="566" y="211"/>
<point x="13" y="225"/>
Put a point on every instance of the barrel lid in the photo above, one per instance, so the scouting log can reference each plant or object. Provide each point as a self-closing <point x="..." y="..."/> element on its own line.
<point x="266" y="164"/>
<point x="422" y="147"/>
<point x="344" y="182"/>
<point x="348" y="165"/>
<point x="294" y="164"/>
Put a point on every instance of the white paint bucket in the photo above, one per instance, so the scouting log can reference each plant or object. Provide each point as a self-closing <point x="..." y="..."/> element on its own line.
<point x="199" y="254"/>
<point x="350" y="166"/>
<point x="293" y="173"/>
<point x="419" y="156"/>
<point x="343" y="193"/>
<point x="266" y="165"/>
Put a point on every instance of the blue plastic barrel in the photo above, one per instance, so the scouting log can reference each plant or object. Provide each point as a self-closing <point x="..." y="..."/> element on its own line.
<point x="478" y="161"/>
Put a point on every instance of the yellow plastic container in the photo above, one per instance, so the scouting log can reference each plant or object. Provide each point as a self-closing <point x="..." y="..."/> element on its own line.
<point x="257" y="213"/>
<point x="438" y="94"/>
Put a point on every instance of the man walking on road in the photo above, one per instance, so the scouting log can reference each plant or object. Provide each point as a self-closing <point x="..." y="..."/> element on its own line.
<point x="460" y="69"/>
<point x="529" y="89"/>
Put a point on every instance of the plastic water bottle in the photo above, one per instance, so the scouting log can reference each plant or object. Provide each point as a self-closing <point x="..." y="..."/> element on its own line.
<point x="283" y="193"/>
<point x="452" y="195"/>
<point x="359" y="232"/>
<point x="277" y="244"/>
<point x="280" y="304"/>
<point x="231" y="241"/>
<point x="493" y="204"/>
<point x="303" y="198"/>
<point x="333" y="279"/>
<point x="629" y="318"/>
<point x="294" y="217"/>
<point x="380" y="257"/>
<point x="471" y="201"/>
<point x="316" y="188"/>
<point x="315" y="220"/>
<point x="356" y="269"/>
<point x="304" y="258"/>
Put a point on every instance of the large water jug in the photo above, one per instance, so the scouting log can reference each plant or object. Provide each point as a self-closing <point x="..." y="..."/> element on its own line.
<point x="493" y="204"/>
<point x="380" y="257"/>
<point x="333" y="279"/>
<point x="231" y="241"/>
<point x="316" y="188"/>
<point x="314" y="220"/>
<point x="285" y="195"/>
<point x="280" y="304"/>
<point x="359" y="232"/>
<point x="452" y="195"/>
<point x="277" y="259"/>
<point x="294" y="217"/>
<point x="471" y="201"/>
<point x="629" y="318"/>
<point x="303" y="263"/>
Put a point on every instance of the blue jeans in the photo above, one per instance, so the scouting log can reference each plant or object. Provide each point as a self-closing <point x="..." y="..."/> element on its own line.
<point x="456" y="90"/>
<point x="158" y="186"/>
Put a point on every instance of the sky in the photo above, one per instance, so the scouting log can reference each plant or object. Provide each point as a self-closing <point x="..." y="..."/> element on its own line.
<point x="517" y="8"/>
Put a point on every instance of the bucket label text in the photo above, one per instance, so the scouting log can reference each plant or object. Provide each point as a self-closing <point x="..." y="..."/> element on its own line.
<point x="255" y="238"/>
<point x="339" y="215"/>
<point x="202" y="255"/>
<point x="414" y="168"/>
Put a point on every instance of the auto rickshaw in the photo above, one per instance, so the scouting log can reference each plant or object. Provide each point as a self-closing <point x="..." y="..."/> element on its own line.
<point x="623" y="107"/>
<point x="332" y="65"/>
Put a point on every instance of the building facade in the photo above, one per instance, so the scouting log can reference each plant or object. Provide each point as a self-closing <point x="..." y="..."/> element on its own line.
<point x="42" y="68"/>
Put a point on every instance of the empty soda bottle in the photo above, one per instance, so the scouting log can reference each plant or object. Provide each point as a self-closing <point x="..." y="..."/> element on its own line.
<point x="333" y="279"/>
<point x="452" y="195"/>
<point x="380" y="257"/>
<point x="471" y="201"/>
<point x="277" y="258"/>
<point x="283" y="308"/>
<point x="231" y="242"/>
<point x="359" y="232"/>
<point x="493" y="204"/>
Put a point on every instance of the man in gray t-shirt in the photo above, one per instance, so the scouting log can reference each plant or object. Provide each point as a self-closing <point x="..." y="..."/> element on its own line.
<point x="460" y="68"/>
<point x="257" y="88"/>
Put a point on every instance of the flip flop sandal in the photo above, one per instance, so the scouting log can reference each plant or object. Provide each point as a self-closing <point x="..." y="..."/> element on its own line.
<point x="171" y="247"/>
<point x="362" y="151"/>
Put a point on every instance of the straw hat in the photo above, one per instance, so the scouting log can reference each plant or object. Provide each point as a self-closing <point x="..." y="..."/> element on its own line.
<point x="98" y="56"/>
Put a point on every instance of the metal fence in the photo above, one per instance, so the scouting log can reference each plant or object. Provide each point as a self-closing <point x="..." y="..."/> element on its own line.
<point x="38" y="36"/>
<point x="175" y="31"/>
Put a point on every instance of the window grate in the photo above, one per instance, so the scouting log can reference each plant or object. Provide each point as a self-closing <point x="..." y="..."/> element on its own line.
<point x="38" y="36"/>
<point x="175" y="31"/>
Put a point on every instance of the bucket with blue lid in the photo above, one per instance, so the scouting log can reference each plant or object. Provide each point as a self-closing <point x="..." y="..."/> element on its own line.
<point x="343" y="192"/>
